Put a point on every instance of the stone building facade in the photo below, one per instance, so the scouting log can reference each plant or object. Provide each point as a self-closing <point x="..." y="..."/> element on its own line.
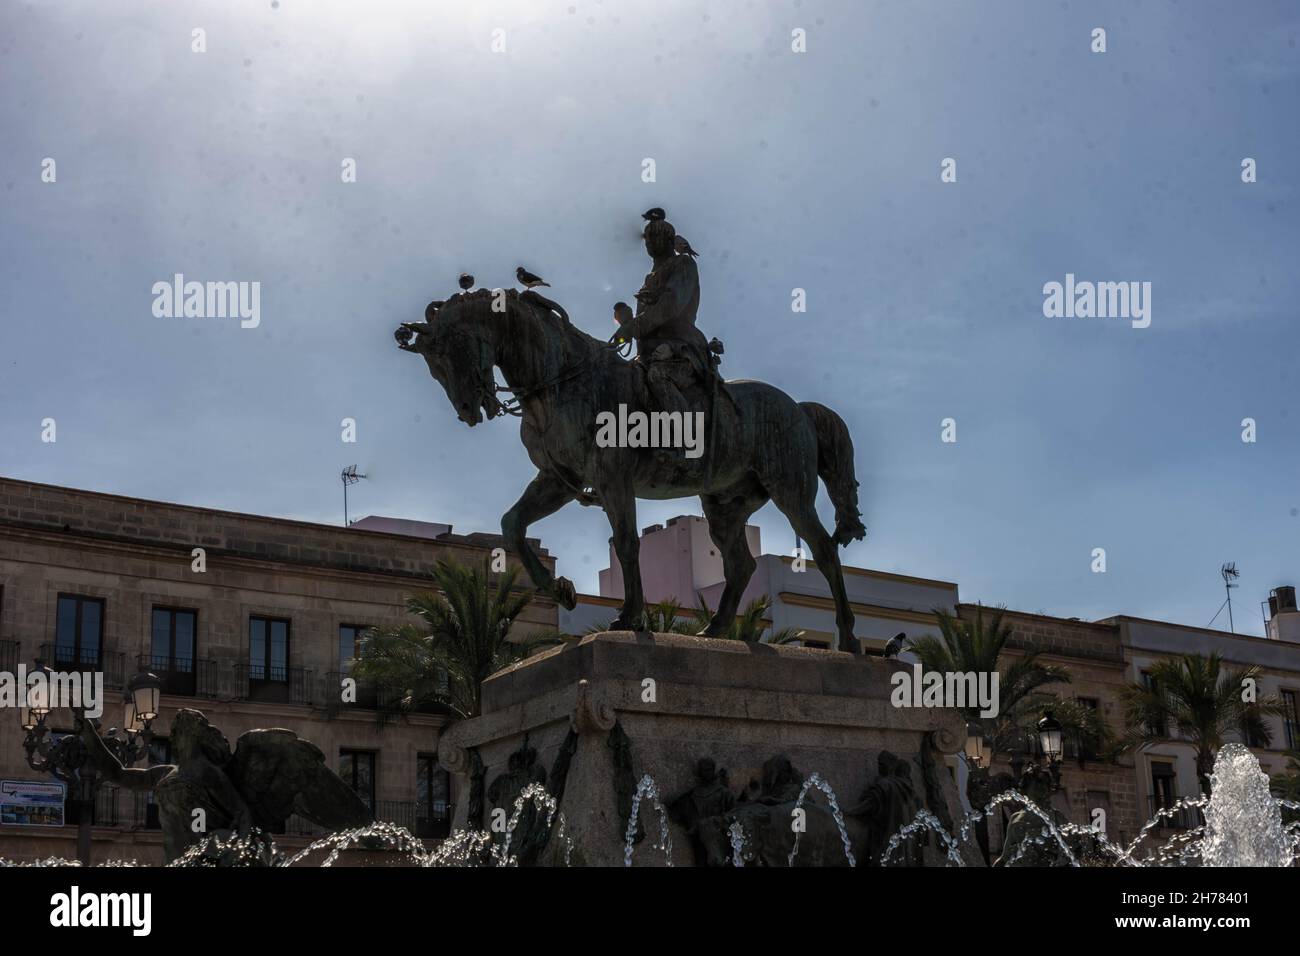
<point x="1166" y="770"/>
<point x="256" y="634"/>
<point x="1094" y="656"/>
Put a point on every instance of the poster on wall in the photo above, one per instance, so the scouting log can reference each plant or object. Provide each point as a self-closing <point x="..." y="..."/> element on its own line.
<point x="31" y="803"/>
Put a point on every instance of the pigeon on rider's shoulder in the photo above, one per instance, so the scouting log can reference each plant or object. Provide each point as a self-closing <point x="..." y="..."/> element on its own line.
<point x="683" y="248"/>
<point x="894" y="646"/>
<point x="654" y="214"/>
<point x="466" y="281"/>
<point x="528" y="279"/>
<point x="622" y="313"/>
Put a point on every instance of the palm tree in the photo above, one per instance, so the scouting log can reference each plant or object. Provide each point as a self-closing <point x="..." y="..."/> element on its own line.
<point x="1286" y="786"/>
<point x="669" y="617"/>
<point x="462" y="639"/>
<point x="1204" y="699"/>
<point x="748" y="626"/>
<point x="666" y="617"/>
<point x="974" y="647"/>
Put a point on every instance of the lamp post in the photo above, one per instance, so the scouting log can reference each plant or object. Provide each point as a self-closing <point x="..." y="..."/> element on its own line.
<point x="978" y="786"/>
<point x="1049" y="739"/>
<point x="66" y="758"/>
<point x="975" y="752"/>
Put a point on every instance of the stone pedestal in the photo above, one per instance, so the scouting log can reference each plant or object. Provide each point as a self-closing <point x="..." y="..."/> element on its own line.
<point x="596" y="715"/>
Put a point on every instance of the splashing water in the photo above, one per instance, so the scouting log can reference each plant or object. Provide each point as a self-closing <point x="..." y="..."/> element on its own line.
<point x="815" y="780"/>
<point x="375" y="836"/>
<point x="924" y="820"/>
<point x="647" y="787"/>
<point x="536" y="793"/>
<point x="1243" y="827"/>
<point x="737" y="836"/>
<point x="1243" y="823"/>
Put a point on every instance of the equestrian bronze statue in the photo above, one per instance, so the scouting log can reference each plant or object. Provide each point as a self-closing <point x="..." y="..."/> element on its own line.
<point x="570" y="389"/>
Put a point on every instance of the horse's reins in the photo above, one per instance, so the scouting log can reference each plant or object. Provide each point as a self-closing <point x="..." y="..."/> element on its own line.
<point x="514" y="406"/>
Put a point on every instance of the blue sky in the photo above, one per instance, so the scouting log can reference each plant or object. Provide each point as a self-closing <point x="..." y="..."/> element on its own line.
<point x="817" y="170"/>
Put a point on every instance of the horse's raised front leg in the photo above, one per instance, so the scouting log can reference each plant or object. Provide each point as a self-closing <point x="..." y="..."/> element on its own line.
<point x="619" y="502"/>
<point x="544" y="496"/>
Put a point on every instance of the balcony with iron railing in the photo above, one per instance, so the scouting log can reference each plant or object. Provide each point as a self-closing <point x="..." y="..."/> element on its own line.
<point x="1080" y="748"/>
<point x="120" y="808"/>
<point x="424" y="821"/>
<point x="9" y="656"/>
<point x="276" y="683"/>
<point x="135" y="810"/>
<point x="60" y="657"/>
<point x="362" y="695"/>
<point x="183" y="676"/>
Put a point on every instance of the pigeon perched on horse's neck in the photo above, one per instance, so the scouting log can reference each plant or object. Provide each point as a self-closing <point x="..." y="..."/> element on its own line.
<point x="528" y="279"/>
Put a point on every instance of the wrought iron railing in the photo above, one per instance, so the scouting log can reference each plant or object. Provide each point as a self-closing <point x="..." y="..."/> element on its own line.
<point x="424" y="821"/>
<point x="9" y="656"/>
<point x="275" y="683"/>
<point x="364" y="695"/>
<point x="183" y="676"/>
<point x="132" y="809"/>
<point x="63" y="658"/>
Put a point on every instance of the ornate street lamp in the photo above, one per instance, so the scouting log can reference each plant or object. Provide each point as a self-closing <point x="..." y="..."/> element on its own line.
<point x="144" y="691"/>
<point x="975" y="745"/>
<point x="67" y="758"/>
<point x="131" y="722"/>
<point x="1049" y="738"/>
<point x="38" y="693"/>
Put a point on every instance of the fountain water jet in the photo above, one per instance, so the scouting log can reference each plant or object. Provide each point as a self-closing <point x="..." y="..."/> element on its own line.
<point x="647" y="787"/>
<point x="815" y="780"/>
<point x="1243" y="822"/>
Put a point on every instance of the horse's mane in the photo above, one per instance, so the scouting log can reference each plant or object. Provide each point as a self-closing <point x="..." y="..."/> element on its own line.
<point x="477" y="307"/>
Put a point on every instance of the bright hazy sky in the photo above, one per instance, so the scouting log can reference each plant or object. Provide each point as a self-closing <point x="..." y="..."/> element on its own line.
<point x="817" y="170"/>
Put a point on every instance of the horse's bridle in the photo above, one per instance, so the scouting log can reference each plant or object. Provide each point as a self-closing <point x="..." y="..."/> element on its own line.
<point x="514" y="406"/>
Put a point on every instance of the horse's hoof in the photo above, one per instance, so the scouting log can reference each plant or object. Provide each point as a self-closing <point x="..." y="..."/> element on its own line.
<point x="565" y="593"/>
<point x="637" y="626"/>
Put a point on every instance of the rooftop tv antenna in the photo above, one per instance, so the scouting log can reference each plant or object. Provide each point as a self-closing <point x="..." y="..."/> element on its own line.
<point x="1229" y="573"/>
<point x="350" y="477"/>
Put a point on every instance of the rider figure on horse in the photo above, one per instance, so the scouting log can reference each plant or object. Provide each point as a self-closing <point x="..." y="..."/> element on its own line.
<point x="673" y="352"/>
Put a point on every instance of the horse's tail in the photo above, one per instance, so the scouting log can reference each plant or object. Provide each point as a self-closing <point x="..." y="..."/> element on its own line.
<point x="835" y="466"/>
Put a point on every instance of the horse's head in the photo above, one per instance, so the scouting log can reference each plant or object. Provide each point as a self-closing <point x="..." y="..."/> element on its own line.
<point x="455" y="340"/>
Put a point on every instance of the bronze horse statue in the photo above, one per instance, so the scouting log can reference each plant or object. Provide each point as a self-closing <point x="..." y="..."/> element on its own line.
<point x="761" y="445"/>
